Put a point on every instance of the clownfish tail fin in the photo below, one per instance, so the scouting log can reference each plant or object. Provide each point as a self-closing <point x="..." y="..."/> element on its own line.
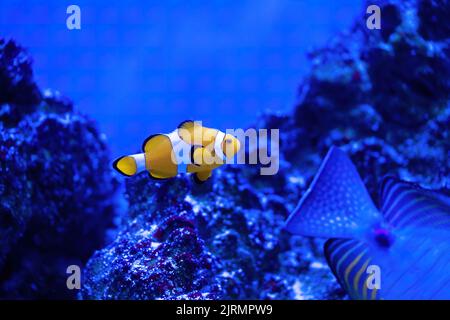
<point x="130" y="165"/>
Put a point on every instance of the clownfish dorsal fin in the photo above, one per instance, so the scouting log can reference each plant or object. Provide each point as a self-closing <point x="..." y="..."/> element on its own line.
<point x="190" y="131"/>
<point x="406" y="204"/>
<point x="187" y="124"/>
<point x="146" y="144"/>
<point x="337" y="204"/>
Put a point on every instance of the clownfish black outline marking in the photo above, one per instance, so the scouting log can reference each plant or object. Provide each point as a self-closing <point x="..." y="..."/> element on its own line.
<point x="408" y="238"/>
<point x="147" y="140"/>
<point x="115" y="166"/>
<point x="184" y="150"/>
<point x="192" y="154"/>
<point x="183" y="123"/>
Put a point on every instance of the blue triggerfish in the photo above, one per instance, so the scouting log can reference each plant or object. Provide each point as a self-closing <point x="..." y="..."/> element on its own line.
<point x="400" y="251"/>
<point x="191" y="148"/>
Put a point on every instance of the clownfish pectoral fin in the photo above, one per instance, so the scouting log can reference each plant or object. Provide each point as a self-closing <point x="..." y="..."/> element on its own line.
<point x="190" y="132"/>
<point x="201" y="177"/>
<point x="337" y="204"/>
<point x="200" y="155"/>
<point x="130" y="165"/>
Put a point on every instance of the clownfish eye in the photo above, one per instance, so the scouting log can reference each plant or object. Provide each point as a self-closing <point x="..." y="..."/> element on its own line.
<point x="228" y="141"/>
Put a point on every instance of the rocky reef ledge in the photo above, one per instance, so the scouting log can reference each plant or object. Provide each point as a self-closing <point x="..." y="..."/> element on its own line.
<point x="382" y="96"/>
<point x="55" y="184"/>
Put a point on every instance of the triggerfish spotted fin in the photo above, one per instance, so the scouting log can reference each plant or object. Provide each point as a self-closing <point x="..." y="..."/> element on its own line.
<point x="407" y="241"/>
<point x="337" y="204"/>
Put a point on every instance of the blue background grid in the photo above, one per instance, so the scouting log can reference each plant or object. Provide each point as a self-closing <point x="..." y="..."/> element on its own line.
<point x="141" y="67"/>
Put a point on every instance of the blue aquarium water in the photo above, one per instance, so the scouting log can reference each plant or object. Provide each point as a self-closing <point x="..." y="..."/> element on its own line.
<point x="141" y="67"/>
<point x="362" y="180"/>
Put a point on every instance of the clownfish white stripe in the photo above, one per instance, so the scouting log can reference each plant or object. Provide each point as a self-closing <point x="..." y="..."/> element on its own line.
<point x="139" y="158"/>
<point x="181" y="150"/>
<point x="218" y="145"/>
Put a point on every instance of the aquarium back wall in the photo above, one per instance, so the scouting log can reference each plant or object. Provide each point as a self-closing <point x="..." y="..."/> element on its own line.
<point x="141" y="67"/>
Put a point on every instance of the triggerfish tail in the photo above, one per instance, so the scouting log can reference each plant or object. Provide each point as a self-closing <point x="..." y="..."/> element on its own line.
<point x="130" y="165"/>
<point x="337" y="204"/>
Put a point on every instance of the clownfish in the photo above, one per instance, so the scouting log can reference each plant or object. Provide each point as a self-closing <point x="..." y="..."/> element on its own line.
<point x="191" y="148"/>
<point x="400" y="251"/>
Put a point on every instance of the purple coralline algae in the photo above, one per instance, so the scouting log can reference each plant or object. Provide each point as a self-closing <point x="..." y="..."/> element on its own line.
<point x="55" y="185"/>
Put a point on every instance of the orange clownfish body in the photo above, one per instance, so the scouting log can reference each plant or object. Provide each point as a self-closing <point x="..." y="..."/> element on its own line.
<point x="191" y="148"/>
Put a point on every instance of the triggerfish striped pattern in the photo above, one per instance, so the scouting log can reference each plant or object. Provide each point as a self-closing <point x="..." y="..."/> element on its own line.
<point x="406" y="243"/>
<point x="191" y="148"/>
